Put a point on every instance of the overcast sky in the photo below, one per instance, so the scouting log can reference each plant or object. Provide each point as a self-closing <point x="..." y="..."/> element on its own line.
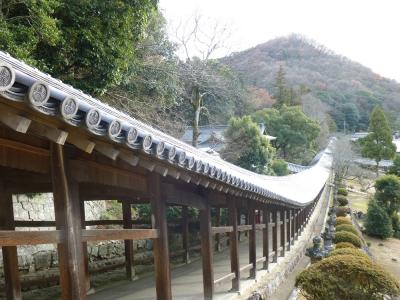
<point x="366" y="31"/>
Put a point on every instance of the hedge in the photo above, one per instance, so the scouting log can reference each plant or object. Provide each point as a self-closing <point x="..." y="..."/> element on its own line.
<point x="342" y="191"/>
<point x="343" y="236"/>
<point x="343" y="245"/>
<point x="342" y="200"/>
<point x="343" y="220"/>
<point x="348" y="228"/>
<point x="342" y="211"/>
<point x="349" y="251"/>
<point x="346" y="277"/>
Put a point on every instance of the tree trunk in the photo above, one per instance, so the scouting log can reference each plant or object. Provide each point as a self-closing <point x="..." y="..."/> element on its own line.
<point x="377" y="169"/>
<point x="196" y="103"/>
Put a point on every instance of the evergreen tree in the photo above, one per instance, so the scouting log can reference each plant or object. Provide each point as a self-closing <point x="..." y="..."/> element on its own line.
<point x="395" y="168"/>
<point x="282" y="93"/>
<point x="378" y="222"/>
<point x="247" y="147"/>
<point x="378" y="144"/>
<point x="388" y="193"/>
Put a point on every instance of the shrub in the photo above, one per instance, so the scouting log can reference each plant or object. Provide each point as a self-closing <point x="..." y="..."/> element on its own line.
<point x="378" y="222"/>
<point x="343" y="220"/>
<point x="342" y="211"/>
<point x="280" y="167"/>
<point x="349" y="251"/>
<point x="347" y="228"/>
<point x="346" y="277"/>
<point x="342" y="200"/>
<point x="342" y="191"/>
<point x="344" y="245"/>
<point x="343" y="236"/>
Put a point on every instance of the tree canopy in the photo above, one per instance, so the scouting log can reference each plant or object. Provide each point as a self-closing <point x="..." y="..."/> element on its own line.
<point x="246" y="146"/>
<point x="295" y="133"/>
<point x="388" y="193"/>
<point x="89" y="44"/>
<point x="378" y="143"/>
<point x="378" y="222"/>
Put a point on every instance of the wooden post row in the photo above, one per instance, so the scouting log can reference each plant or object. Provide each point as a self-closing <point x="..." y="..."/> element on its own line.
<point x="207" y="251"/>
<point x="234" y="243"/>
<point x="10" y="257"/>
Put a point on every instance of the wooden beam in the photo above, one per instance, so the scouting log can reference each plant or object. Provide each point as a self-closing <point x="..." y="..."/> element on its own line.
<point x="289" y="229"/>
<point x="252" y="240"/>
<point x="53" y="134"/>
<point x="207" y="251"/>
<point x="92" y="172"/>
<point x="129" y="158"/>
<point x="160" y="246"/>
<point x="185" y="234"/>
<point x="222" y="229"/>
<point x="92" y="235"/>
<point x="218" y="245"/>
<point x="107" y="150"/>
<point x="68" y="220"/>
<point x="84" y="246"/>
<point x="275" y="235"/>
<point x="224" y="279"/>
<point x="127" y="220"/>
<point x="16" y="238"/>
<point x="175" y="195"/>
<point x="81" y="142"/>
<point x="14" y="121"/>
<point x="10" y="256"/>
<point x="246" y="268"/>
<point x="283" y="228"/>
<point x="234" y="244"/>
<point x="245" y="227"/>
<point x="266" y="221"/>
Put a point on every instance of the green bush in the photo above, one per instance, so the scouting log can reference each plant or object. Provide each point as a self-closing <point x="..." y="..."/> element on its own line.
<point x="342" y="191"/>
<point x="342" y="200"/>
<point x="349" y="251"/>
<point x="346" y="277"/>
<point x="343" y="220"/>
<point x="344" y="245"/>
<point x="343" y="236"/>
<point x="378" y="222"/>
<point x="347" y="228"/>
<point x="280" y="167"/>
<point x="342" y="211"/>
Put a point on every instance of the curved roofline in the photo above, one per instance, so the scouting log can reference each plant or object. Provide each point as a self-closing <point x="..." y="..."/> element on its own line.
<point x="55" y="98"/>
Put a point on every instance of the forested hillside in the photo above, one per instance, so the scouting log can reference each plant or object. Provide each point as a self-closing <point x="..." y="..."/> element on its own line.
<point x="348" y="88"/>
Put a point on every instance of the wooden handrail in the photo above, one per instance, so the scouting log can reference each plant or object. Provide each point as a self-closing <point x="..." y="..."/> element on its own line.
<point x="16" y="238"/>
<point x="222" y="229"/>
<point x="261" y="259"/>
<point x="244" y="227"/>
<point x="246" y="267"/>
<point x="223" y="279"/>
<point x="260" y="226"/>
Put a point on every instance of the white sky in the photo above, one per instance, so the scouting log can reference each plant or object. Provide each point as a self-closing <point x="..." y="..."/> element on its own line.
<point x="366" y="31"/>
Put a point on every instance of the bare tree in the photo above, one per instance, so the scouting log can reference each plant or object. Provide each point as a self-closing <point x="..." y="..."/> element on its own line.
<point x="343" y="157"/>
<point x="203" y="77"/>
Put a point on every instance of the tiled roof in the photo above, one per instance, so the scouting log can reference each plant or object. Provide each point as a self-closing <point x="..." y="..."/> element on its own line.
<point x="20" y="82"/>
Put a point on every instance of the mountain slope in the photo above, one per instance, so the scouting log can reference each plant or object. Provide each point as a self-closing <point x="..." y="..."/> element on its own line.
<point x="350" y="89"/>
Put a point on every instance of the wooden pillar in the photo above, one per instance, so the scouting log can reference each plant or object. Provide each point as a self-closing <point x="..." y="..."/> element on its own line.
<point x="207" y="251"/>
<point x="283" y="228"/>
<point x="266" y="221"/>
<point x="275" y="247"/>
<point x="84" y="246"/>
<point x="252" y="241"/>
<point x="289" y="229"/>
<point x="185" y="234"/>
<point x="293" y="227"/>
<point x="10" y="256"/>
<point x="127" y="224"/>
<point x="234" y="243"/>
<point x="160" y="245"/>
<point x="217" y="224"/>
<point x="301" y="215"/>
<point x="68" y="220"/>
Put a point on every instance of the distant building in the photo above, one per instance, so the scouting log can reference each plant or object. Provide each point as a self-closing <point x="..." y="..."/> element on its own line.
<point x="211" y="139"/>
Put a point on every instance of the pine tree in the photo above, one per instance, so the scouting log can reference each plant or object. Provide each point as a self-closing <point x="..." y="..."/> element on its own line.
<point x="281" y="95"/>
<point x="378" y="222"/>
<point x="378" y="144"/>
